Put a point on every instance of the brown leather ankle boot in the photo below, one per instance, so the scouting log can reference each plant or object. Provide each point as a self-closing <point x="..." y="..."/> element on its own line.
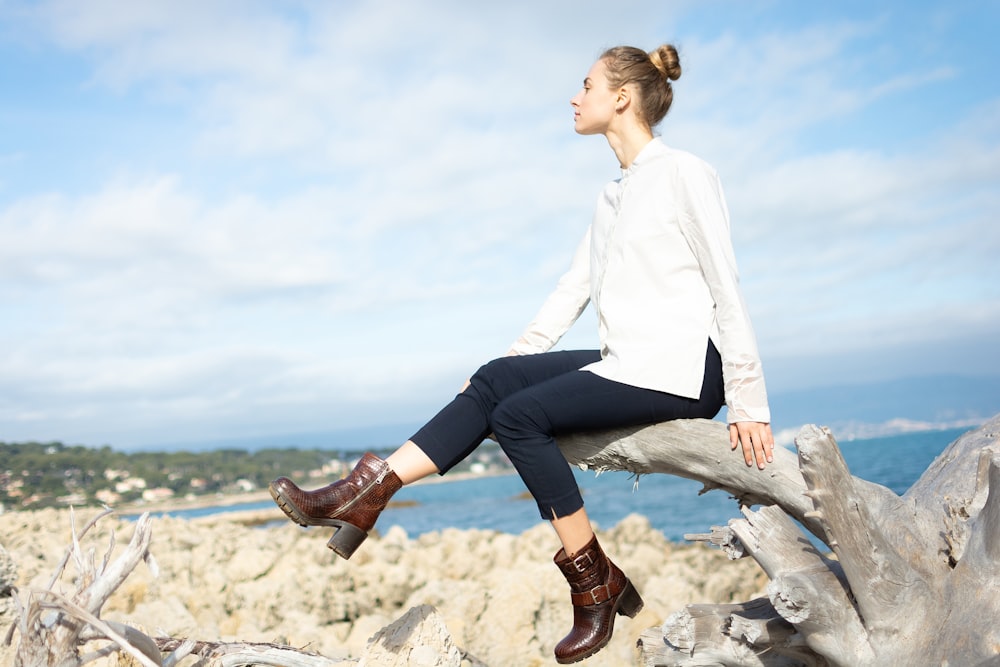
<point x="599" y="590"/>
<point x="351" y="505"/>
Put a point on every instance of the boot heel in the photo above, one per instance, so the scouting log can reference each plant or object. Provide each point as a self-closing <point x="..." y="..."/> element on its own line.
<point x="630" y="602"/>
<point x="346" y="540"/>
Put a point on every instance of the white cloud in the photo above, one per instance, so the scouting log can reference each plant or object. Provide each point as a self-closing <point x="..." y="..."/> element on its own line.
<point x="346" y="206"/>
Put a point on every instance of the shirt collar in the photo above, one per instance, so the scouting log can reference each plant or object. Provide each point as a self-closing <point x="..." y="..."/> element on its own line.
<point x="648" y="151"/>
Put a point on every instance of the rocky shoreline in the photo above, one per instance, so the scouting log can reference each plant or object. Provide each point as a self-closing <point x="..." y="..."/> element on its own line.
<point x="498" y="595"/>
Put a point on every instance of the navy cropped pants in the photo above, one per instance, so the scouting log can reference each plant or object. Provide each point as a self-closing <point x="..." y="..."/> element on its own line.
<point x="526" y="401"/>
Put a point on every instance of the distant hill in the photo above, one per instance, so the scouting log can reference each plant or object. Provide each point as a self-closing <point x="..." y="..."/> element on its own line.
<point x="376" y="437"/>
<point x="892" y="406"/>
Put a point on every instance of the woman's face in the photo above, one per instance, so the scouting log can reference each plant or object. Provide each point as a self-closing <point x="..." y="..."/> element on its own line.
<point x="594" y="105"/>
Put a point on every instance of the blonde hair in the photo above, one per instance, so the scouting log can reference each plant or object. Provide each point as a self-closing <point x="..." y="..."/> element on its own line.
<point x="650" y="72"/>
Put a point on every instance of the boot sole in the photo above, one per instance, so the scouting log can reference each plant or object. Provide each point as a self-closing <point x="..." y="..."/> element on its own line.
<point x="346" y="538"/>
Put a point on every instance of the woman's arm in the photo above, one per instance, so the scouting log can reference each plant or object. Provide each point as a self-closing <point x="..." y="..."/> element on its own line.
<point x="562" y="308"/>
<point x="704" y="220"/>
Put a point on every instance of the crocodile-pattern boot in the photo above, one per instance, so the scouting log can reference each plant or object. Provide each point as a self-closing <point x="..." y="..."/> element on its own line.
<point x="599" y="591"/>
<point x="351" y="505"/>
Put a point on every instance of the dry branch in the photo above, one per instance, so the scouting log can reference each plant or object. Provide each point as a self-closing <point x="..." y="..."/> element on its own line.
<point x="238" y="654"/>
<point x="53" y="626"/>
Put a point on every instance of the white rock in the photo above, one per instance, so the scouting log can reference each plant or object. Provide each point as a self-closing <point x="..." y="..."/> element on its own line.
<point x="419" y="638"/>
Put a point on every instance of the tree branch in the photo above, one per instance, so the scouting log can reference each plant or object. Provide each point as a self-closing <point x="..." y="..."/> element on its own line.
<point x="696" y="449"/>
<point x="877" y="573"/>
<point x="806" y="588"/>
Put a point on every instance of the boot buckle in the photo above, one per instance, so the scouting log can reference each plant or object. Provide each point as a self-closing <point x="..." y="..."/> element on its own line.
<point x="596" y="595"/>
<point x="581" y="565"/>
<point x="605" y="594"/>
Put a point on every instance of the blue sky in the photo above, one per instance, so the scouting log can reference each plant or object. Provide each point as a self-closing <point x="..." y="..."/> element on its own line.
<point x="240" y="219"/>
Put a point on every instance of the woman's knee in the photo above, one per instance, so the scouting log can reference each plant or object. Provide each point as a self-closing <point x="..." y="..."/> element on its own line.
<point x="504" y="421"/>
<point x="517" y="419"/>
<point x="491" y="369"/>
<point x="491" y="380"/>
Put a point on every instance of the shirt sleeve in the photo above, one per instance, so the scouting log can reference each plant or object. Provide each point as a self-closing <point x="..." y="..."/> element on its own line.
<point x="704" y="220"/>
<point x="562" y="308"/>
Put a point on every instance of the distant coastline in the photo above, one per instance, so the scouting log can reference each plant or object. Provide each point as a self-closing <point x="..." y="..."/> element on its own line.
<point x="43" y="475"/>
<point x="673" y="505"/>
<point x="262" y="495"/>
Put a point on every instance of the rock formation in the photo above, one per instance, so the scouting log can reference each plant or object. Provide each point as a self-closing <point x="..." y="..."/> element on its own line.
<point x="227" y="587"/>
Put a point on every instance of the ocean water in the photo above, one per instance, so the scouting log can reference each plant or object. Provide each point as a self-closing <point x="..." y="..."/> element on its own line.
<point x="671" y="504"/>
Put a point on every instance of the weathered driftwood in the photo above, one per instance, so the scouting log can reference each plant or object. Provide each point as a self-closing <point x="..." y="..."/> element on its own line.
<point x="915" y="578"/>
<point x="240" y="654"/>
<point x="54" y="626"/>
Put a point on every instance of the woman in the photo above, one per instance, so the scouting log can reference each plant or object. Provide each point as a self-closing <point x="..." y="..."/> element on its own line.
<point x="676" y="343"/>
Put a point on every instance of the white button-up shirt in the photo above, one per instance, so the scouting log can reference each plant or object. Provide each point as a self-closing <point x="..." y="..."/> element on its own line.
<point x="657" y="263"/>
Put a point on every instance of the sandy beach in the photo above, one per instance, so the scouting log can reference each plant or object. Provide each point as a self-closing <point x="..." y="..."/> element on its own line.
<point x="499" y="595"/>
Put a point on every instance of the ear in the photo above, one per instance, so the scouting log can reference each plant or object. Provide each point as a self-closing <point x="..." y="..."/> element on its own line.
<point x="623" y="100"/>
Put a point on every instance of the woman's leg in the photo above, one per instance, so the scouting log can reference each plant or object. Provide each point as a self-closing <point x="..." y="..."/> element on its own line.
<point x="574" y="531"/>
<point x="353" y="504"/>
<point x="410" y="463"/>
<point x="527" y="422"/>
<point x="462" y="425"/>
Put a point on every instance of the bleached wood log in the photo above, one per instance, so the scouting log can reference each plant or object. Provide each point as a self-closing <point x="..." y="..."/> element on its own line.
<point x="806" y="589"/>
<point x="749" y="633"/>
<point x="983" y="550"/>
<point x="877" y="572"/>
<point x="721" y="537"/>
<point x="245" y="654"/>
<point x="915" y="577"/>
<point x="699" y="449"/>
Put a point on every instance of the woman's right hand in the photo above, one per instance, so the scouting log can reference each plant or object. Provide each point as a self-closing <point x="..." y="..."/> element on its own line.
<point x="756" y="439"/>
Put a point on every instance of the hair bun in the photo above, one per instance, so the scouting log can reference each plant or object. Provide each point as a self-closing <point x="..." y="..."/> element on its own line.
<point x="650" y="72"/>
<point x="666" y="60"/>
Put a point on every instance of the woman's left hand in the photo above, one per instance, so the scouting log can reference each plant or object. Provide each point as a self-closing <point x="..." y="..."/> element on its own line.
<point x="756" y="439"/>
